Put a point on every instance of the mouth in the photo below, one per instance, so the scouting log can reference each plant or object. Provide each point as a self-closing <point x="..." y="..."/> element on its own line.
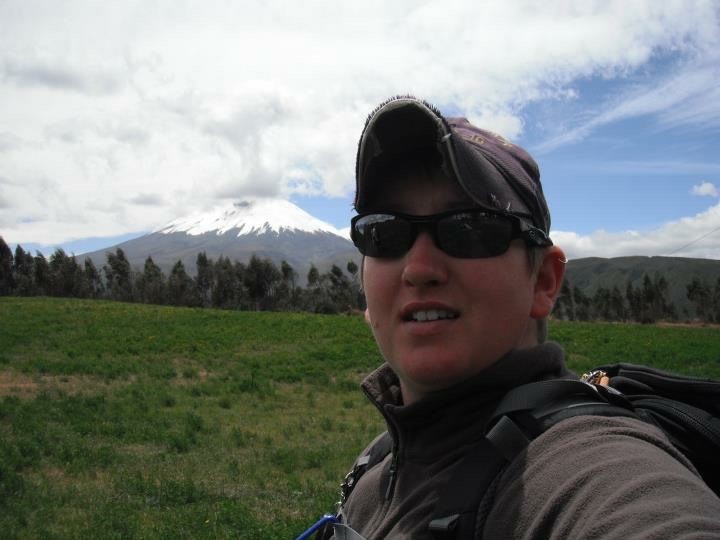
<point x="429" y="315"/>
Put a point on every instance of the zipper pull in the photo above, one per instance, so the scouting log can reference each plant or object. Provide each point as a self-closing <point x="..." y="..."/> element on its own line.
<point x="393" y="478"/>
<point x="596" y="376"/>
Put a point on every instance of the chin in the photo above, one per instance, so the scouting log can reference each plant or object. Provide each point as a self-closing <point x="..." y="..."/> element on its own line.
<point x="437" y="374"/>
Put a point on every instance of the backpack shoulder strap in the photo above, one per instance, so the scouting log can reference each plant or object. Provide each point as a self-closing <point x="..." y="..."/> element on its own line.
<point x="538" y="406"/>
<point x="375" y="452"/>
<point x="455" y="514"/>
<point x="523" y="414"/>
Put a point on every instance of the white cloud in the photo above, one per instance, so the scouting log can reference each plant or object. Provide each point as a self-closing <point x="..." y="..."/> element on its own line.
<point x="197" y="101"/>
<point x="689" y="97"/>
<point x="51" y="73"/>
<point x="658" y="167"/>
<point x="697" y="236"/>
<point x="146" y="199"/>
<point x="706" y="189"/>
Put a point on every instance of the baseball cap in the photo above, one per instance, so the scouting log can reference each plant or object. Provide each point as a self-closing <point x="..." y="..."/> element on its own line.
<point x="495" y="173"/>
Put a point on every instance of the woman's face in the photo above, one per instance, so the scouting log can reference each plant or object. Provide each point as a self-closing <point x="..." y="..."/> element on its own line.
<point x="438" y="319"/>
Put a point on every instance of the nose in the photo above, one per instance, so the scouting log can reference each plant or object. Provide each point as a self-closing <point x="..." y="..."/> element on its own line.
<point x="424" y="263"/>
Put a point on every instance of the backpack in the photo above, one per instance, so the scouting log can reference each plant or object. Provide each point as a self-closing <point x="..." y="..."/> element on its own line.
<point x="686" y="409"/>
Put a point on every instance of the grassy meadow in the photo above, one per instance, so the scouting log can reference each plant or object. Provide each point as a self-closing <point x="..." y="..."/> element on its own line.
<point x="134" y="421"/>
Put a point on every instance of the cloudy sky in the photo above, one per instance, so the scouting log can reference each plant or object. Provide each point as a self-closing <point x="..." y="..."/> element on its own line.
<point x="117" y="117"/>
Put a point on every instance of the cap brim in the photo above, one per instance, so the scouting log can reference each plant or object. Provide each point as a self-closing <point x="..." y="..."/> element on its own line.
<point x="396" y="130"/>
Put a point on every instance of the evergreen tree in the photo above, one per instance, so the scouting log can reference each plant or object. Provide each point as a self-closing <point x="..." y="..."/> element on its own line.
<point x="664" y="309"/>
<point x="204" y="280"/>
<point x="93" y="280"/>
<point x="23" y="272"/>
<point x="7" y="283"/>
<point x="634" y="301"/>
<point x="565" y="306"/>
<point x="340" y="290"/>
<point x="647" y="296"/>
<point x="261" y="280"/>
<point x="225" y="286"/>
<point x="617" y="305"/>
<point x="65" y="275"/>
<point x="289" y="275"/>
<point x="330" y="292"/>
<point x="654" y="303"/>
<point x="582" y="305"/>
<point x="287" y="295"/>
<point x="352" y="269"/>
<point x="42" y="274"/>
<point x="313" y="276"/>
<point x="357" y="294"/>
<point x="118" y="276"/>
<point x="608" y="304"/>
<point x="316" y="299"/>
<point x="180" y="286"/>
<point x="601" y="304"/>
<point x="241" y="294"/>
<point x="273" y="278"/>
<point x="151" y="285"/>
<point x="702" y="298"/>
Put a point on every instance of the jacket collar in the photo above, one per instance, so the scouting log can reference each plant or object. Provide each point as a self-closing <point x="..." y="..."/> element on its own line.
<point x="457" y="415"/>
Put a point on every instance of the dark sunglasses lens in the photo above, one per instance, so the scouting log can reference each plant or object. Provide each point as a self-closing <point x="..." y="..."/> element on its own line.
<point x="474" y="236"/>
<point x="382" y="235"/>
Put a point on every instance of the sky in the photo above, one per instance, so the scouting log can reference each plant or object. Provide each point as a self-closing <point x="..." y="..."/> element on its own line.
<point x="119" y="117"/>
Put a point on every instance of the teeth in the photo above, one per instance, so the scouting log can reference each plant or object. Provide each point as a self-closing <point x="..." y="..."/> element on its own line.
<point x="431" y="315"/>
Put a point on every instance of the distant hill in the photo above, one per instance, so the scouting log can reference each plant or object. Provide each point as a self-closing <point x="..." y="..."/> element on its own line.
<point x="591" y="273"/>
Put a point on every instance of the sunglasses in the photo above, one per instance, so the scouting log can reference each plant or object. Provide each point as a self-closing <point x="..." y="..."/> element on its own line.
<point x="466" y="234"/>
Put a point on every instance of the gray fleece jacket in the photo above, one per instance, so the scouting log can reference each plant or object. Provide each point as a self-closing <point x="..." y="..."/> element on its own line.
<point x="587" y="477"/>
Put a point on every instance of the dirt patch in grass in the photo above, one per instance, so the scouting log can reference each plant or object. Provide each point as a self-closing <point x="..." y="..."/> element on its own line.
<point x="189" y="372"/>
<point x="142" y="450"/>
<point x="22" y="385"/>
<point x="56" y="475"/>
<point x="17" y="384"/>
<point x="691" y="324"/>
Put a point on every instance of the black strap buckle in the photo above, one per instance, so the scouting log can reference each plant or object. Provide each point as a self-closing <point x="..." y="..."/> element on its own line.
<point x="441" y="528"/>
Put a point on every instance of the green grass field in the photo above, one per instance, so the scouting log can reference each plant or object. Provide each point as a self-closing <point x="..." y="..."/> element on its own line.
<point x="134" y="421"/>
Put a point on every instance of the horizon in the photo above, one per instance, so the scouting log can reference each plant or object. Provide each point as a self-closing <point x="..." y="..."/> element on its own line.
<point x="109" y="133"/>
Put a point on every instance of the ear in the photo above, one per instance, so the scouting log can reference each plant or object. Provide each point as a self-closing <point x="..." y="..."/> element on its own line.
<point x="547" y="282"/>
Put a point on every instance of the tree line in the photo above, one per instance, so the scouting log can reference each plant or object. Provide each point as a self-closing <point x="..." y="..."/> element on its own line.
<point x="647" y="303"/>
<point x="258" y="284"/>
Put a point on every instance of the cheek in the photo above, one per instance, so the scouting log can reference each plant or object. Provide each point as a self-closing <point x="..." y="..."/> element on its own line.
<point x="380" y="293"/>
<point x="503" y="292"/>
<point x="375" y="285"/>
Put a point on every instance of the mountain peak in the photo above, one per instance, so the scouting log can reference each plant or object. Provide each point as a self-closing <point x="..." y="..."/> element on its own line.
<point x="250" y="216"/>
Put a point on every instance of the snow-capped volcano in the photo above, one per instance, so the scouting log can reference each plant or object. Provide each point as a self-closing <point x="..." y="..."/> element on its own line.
<point x="269" y="228"/>
<point x="251" y="216"/>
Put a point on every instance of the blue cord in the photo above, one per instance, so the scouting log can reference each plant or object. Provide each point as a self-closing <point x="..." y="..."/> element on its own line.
<point x="327" y="518"/>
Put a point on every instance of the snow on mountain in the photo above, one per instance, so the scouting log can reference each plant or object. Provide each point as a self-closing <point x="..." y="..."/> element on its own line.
<point x="267" y="228"/>
<point x="251" y="216"/>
